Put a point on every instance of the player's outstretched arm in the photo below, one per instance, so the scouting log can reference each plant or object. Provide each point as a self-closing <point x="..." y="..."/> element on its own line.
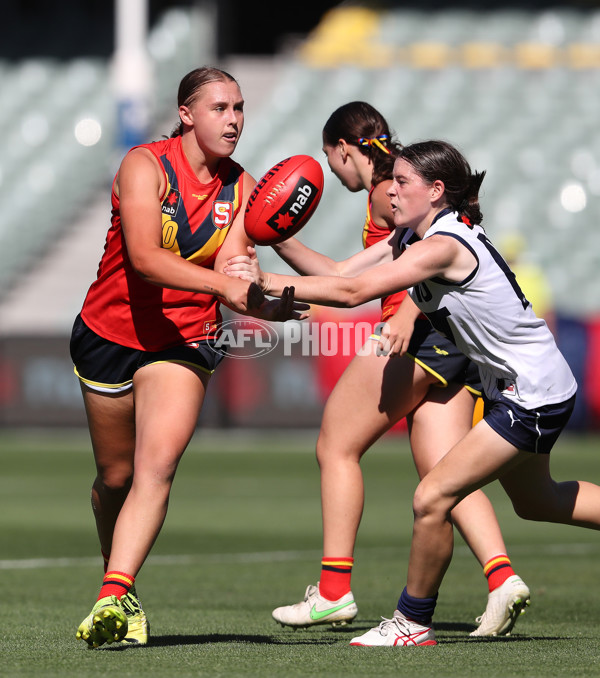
<point x="306" y="261"/>
<point x="422" y="261"/>
<point x="248" y="267"/>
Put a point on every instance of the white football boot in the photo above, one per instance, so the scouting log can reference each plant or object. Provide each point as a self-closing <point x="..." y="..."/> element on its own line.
<point x="505" y="605"/>
<point x="315" y="609"/>
<point x="396" y="632"/>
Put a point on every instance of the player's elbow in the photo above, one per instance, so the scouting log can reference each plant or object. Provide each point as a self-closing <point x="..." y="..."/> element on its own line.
<point x="352" y="294"/>
<point x="356" y="299"/>
<point x="141" y="268"/>
<point x="144" y="267"/>
<point x="340" y="269"/>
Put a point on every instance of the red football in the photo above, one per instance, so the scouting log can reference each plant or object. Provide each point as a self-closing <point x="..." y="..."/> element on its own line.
<point x="283" y="200"/>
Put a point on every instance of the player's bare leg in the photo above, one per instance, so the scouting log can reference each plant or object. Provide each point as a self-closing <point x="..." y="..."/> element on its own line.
<point x="463" y="470"/>
<point x="164" y="393"/>
<point x="508" y="596"/>
<point x="111" y="426"/>
<point x="112" y="431"/>
<point x="370" y="397"/>
<point x="451" y="409"/>
<point x="536" y="496"/>
<point x="130" y="513"/>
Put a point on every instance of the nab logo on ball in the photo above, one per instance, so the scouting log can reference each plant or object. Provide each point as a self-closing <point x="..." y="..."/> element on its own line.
<point x="283" y="200"/>
<point x="295" y="208"/>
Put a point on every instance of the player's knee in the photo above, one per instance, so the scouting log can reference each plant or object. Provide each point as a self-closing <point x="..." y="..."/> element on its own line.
<point x="328" y="452"/>
<point x="428" y="501"/>
<point x="156" y="472"/>
<point x="321" y="451"/>
<point x="114" y="479"/>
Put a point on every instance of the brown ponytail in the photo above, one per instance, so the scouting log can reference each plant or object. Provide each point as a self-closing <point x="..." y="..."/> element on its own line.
<point x="362" y="125"/>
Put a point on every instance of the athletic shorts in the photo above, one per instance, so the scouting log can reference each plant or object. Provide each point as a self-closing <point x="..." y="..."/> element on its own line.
<point x="440" y="357"/>
<point x="530" y="430"/>
<point x="109" y="368"/>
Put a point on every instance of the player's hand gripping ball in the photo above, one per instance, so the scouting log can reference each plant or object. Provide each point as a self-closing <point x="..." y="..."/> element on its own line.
<point x="283" y="200"/>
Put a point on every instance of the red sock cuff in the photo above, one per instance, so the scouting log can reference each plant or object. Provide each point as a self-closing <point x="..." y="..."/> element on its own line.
<point x="497" y="570"/>
<point x="116" y="584"/>
<point x="335" y="577"/>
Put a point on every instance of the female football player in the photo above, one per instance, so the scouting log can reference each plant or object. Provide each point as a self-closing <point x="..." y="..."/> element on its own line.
<point x="424" y="378"/>
<point x="459" y="280"/>
<point x="141" y="344"/>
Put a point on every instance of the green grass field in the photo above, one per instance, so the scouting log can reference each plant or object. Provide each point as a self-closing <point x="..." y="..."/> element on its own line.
<point x="242" y="536"/>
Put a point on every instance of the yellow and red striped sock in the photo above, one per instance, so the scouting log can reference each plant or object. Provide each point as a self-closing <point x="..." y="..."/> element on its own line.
<point x="335" y="577"/>
<point x="115" y="584"/>
<point x="497" y="570"/>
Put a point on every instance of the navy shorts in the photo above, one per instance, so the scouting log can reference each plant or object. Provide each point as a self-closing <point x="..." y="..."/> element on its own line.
<point x="109" y="367"/>
<point x="440" y="357"/>
<point x="530" y="430"/>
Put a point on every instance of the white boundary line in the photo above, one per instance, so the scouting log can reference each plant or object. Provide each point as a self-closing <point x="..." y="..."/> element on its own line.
<point x="199" y="559"/>
<point x="275" y="556"/>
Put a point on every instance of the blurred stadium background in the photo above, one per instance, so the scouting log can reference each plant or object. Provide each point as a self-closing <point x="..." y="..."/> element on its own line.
<point x="515" y="86"/>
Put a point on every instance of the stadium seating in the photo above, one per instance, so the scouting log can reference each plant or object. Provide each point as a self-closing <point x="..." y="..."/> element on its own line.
<point x="516" y="90"/>
<point x="49" y="169"/>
